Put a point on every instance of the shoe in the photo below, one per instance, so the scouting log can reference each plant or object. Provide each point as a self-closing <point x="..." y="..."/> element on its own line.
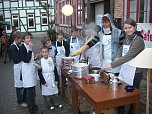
<point x="59" y="106"/>
<point x="24" y="105"/>
<point x="93" y="112"/>
<point x="51" y="108"/>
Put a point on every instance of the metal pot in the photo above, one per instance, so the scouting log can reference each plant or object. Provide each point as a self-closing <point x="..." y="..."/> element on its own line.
<point x="79" y="70"/>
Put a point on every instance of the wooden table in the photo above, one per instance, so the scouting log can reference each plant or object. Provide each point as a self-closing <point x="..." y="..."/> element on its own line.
<point x="100" y="95"/>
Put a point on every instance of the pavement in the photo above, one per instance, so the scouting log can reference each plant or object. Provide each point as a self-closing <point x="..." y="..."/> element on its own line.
<point x="8" y="104"/>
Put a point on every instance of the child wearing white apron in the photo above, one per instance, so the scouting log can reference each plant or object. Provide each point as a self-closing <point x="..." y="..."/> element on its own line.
<point x="48" y="80"/>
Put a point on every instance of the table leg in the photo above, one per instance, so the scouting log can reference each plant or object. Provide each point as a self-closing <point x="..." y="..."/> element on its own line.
<point x="136" y="106"/>
<point x="97" y="109"/>
<point x="75" y="107"/>
<point x="62" y="83"/>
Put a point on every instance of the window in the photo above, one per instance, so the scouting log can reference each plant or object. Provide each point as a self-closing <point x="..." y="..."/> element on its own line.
<point x="15" y="20"/>
<point x="138" y="10"/>
<point x="142" y="11"/>
<point x="44" y="19"/>
<point x="31" y="21"/>
<point x="79" y="12"/>
<point x="8" y="27"/>
<point x="60" y="14"/>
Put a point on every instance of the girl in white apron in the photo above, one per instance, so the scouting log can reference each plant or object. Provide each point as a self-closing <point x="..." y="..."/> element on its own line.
<point x="47" y="79"/>
<point x="133" y="44"/>
<point x="28" y="71"/>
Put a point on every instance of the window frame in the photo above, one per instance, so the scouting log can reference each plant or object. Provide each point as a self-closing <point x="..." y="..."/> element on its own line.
<point x="137" y="11"/>
<point x="79" y="19"/>
<point x="42" y="17"/>
<point x="13" y="18"/>
<point x="30" y="18"/>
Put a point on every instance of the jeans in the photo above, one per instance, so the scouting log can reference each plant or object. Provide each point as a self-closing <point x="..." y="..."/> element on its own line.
<point x="21" y="95"/>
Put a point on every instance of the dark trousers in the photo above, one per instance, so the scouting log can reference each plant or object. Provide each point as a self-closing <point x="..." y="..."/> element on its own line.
<point x="52" y="100"/>
<point x="136" y="83"/>
<point x="31" y="99"/>
<point x="21" y="95"/>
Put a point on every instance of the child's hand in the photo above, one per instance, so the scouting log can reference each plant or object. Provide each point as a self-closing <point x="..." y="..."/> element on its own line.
<point x="30" y="45"/>
<point x="46" y="85"/>
<point x="56" y="82"/>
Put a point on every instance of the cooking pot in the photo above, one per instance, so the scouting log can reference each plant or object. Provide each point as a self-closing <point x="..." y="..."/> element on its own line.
<point x="95" y="70"/>
<point x="79" y="70"/>
<point x="66" y="62"/>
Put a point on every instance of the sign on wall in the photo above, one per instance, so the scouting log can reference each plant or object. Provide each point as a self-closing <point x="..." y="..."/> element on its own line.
<point x="98" y="19"/>
<point x="146" y="30"/>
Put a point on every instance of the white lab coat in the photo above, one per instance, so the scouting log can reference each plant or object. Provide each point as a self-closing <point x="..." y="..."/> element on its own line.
<point x="94" y="55"/>
<point x="48" y="74"/>
<point x="29" y="72"/>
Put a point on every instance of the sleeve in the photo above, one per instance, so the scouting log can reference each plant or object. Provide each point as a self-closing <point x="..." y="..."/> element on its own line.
<point x="56" y="74"/>
<point x="25" y="56"/>
<point x="93" y="41"/>
<point x="136" y="47"/>
<point x="12" y="51"/>
<point x="67" y="48"/>
<point x="55" y="49"/>
<point x="42" y="80"/>
<point x="68" y="40"/>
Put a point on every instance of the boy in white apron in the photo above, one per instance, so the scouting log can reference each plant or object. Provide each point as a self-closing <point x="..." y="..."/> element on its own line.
<point x="14" y="53"/>
<point x="75" y="43"/>
<point x="28" y="71"/>
<point x="48" y="80"/>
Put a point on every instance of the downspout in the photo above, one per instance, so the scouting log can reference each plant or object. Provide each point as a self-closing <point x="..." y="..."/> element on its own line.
<point x="88" y="11"/>
<point x="112" y="9"/>
<point x="83" y="15"/>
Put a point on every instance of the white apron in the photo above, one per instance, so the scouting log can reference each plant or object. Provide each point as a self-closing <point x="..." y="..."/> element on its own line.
<point x="73" y="47"/>
<point x="60" y="54"/>
<point x="17" y="73"/>
<point x="48" y="74"/>
<point x="29" y="72"/>
<point x="106" y="41"/>
<point x="127" y="72"/>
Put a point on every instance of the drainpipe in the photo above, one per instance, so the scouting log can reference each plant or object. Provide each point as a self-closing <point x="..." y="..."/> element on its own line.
<point x="112" y="9"/>
<point x="88" y="11"/>
<point x="83" y="14"/>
